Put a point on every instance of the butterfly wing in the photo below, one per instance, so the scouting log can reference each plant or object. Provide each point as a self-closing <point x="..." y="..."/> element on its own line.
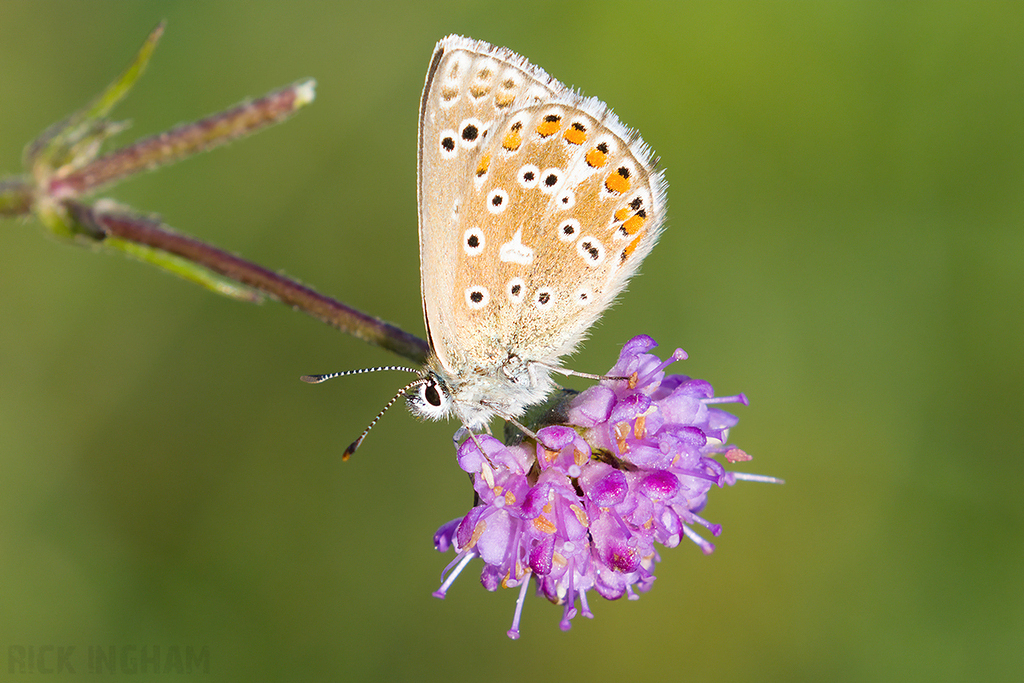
<point x="563" y="206"/>
<point x="536" y="206"/>
<point x="470" y="89"/>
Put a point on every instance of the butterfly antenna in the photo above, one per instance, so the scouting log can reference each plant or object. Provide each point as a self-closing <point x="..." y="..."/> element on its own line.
<point x="317" y="379"/>
<point x="401" y="392"/>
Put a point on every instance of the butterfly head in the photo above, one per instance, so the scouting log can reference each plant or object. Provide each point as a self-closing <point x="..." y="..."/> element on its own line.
<point x="480" y="392"/>
<point x="431" y="399"/>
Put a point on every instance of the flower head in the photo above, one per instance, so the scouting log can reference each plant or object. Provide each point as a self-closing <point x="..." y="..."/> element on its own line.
<point x="580" y="507"/>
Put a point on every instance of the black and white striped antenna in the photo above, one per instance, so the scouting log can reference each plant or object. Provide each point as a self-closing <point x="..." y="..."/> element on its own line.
<point x="317" y="379"/>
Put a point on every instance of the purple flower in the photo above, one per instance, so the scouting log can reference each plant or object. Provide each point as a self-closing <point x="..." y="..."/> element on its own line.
<point x="580" y="508"/>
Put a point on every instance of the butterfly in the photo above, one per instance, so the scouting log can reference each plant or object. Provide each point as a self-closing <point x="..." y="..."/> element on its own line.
<point x="536" y="206"/>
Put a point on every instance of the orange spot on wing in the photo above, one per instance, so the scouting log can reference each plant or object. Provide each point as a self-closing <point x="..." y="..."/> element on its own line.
<point x="622" y="214"/>
<point x="513" y="139"/>
<point x="631" y="226"/>
<point x="485" y="163"/>
<point x="504" y="99"/>
<point x="549" y="125"/>
<point x="576" y="134"/>
<point x="618" y="181"/>
<point x="597" y="157"/>
<point x="630" y="248"/>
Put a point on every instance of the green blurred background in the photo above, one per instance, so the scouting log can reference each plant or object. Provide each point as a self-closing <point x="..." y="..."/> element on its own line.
<point x="846" y="245"/>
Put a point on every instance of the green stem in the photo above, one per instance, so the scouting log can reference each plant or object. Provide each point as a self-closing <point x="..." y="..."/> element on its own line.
<point x="184" y="141"/>
<point x="148" y="232"/>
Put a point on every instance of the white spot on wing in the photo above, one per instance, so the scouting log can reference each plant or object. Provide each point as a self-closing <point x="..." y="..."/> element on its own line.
<point x="515" y="251"/>
<point x="568" y="230"/>
<point x="473" y="236"/>
<point x="590" y="250"/>
<point x="529" y="176"/>
<point x="477" y="297"/>
<point x="497" y="200"/>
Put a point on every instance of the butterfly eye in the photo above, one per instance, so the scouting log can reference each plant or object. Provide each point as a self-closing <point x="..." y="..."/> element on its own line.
<point x="431" y="395"/>
<point x="431" y="399"/>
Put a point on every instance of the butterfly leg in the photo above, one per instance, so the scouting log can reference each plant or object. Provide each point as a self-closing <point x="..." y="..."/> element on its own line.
<point x="573" y="373"/>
